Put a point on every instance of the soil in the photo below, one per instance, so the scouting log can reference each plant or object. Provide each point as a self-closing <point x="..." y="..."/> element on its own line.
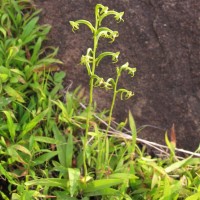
<point x="161" y="39"/>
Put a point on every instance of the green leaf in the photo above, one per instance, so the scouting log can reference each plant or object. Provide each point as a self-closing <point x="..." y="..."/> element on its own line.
<point x="167" y="189"/>
<point x="61" y="145"/>
<point x="3" y="196"/>
<point x="61" y="195"/>
<point x="47" y="140"/>
<point x="10" y="124"/>
<point x="177" y="165"/>
<point x="36" y="50"/>
<point x="69" y="151"/>
<point x="31" y="125"/>
<point x="74" y="180"/>
<point x="13" y="93"/>
<point x="27" y="30"/>
<point x="104" y="192"/>
<point x="194" y="196"/>
<point x="49" y="182"/>
<point x="7" y="175"/>
<point x="3" y="31"/>
<point x="59" y="76"/>
<point x="133" y="131"/>
<point x="170" y="146"/>
<point x="102" y="184"/>
<point x="4" y="77"/>
<point x="22" y="149"/>
<point x="123" y="176"/>
<point x="45" y="157"/>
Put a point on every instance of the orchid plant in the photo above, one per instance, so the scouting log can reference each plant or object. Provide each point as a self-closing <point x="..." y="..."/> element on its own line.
<point x="92" y="60"/>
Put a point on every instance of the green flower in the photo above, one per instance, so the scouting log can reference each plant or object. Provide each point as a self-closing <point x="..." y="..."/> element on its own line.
<point x="125" y="94"/>
<point x="118" y="16"/>
<point x="75" y="25"/>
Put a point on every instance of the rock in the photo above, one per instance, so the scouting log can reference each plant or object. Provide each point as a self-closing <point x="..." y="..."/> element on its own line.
<point x="160" y="38"/>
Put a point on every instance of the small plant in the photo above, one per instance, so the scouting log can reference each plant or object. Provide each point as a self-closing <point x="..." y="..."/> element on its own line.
<point x="92" y="60"/>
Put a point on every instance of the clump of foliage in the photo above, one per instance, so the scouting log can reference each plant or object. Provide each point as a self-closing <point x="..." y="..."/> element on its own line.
<point x="52" y="148"/>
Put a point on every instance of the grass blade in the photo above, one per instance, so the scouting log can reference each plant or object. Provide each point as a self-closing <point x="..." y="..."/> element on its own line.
<point x="10" y="124"/>
<point x="61" y="145"/>
<point x="33" y="123"/>
<point x="69" y="151"/>
<point x="133" y="131"/>
<point x="102" y="184"/>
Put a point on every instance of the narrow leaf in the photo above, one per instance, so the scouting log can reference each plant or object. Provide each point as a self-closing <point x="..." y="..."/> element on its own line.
<point x="69" y="151"/>
<point x="102" y="184"/>
<point x="10" y="124"/>
<point x="177" y="165"/>
<point x="45" y="158"/>
<point x="133" y="131"/>
<point x="13" y="93"/>
<point x="33" y="123"/>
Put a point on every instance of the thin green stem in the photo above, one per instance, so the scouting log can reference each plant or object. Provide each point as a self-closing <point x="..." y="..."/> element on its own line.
<point x="90" y="97"/>
<point x="113" y="103"/>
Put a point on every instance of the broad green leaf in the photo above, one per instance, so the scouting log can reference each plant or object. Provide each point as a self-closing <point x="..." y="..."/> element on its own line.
<point x="104" y="192"/>
<point x="49" y="182"/>
<point x="59" y="76"/>
<point x="21" y="59"/>
<point x="102" y="184"/>
<point x="122" y="176"/>
<point x="44" y="158"/>
<point x="22" y="149"/>
<point x="17" y="71"/>
<point x="12" y="151"/>
<point x="48" y="61"/>
<point x="155" y="179"/>
<point x="47" y="140"/>
<point x="4" y="70"/>
<point x="74" y="180"/>
<point x="63" y="195"/>
<point x="12" y="51"/>
<point x="27" y="30"/>
<point x="13" y="93"/>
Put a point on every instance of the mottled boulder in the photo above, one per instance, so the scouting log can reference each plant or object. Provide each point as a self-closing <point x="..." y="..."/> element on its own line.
<point x="159" y="37"/>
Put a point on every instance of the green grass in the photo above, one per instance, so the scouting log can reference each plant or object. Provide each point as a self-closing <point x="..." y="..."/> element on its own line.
<point x="53" y="148"/>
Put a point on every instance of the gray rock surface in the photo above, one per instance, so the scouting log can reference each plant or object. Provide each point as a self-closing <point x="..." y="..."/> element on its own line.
<point x="159" y="37"/>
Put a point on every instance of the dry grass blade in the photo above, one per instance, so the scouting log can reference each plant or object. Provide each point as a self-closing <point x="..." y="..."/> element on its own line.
<point x="173" y="135"/>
